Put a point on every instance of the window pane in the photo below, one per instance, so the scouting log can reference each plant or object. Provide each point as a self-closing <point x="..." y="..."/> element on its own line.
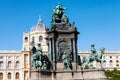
<point x="17" y="64"/>
<point x="40" y="38"/>
<point x="1" y="76"/>
<point x="1" y="64"/>
<point x="17" y="75"/>
<point x="9" y="75"/>
<point x="9" y="64"/>
<point x="26" y="39"/>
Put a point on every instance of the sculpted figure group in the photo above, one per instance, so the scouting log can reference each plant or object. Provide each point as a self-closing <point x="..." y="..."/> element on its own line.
<point x="67" y="60"/>
<point x="94" y="56"/>
<point x="58" y="15"/>
<point x="38" y="59"/>
<point x="41" y="61"/>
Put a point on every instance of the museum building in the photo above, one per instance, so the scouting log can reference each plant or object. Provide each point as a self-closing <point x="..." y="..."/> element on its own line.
<point x="16" y="65"/>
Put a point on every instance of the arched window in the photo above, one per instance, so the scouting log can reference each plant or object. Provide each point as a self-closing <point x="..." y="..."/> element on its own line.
<point x="1" y="64"/>
<point x="1" y="76"/>
<point x="9" y="75"/>
<point x="117" y="61"/>
<point x="40" y="38"/>
<point x="9" y="64"/>
<point x="26" y="39"/>
<point x="17" y="75"/>
<point x="17" y="64"/>
<point x="33" y="38"/>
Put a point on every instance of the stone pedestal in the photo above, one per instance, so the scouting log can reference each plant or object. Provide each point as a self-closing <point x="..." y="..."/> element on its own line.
<point x="60" y="66"/>
<point x="40" y="75"/>
<point x="94" y="74"/>
<point x="62" y="40"/>
<point x="88" y="74"/>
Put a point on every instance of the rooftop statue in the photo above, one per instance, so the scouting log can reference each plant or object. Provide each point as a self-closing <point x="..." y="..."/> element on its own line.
<point x="38" y="59"/>
<point x="93" y="56"/>
<point x="58" y="15"/>
<point x="58" y="9"/>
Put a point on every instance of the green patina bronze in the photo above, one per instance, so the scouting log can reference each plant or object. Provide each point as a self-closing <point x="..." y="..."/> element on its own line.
<point x="58" y="15"/>
<point x="67" y="60"/>
<point x="94" y="56"/>
<point x="38" y="59"/>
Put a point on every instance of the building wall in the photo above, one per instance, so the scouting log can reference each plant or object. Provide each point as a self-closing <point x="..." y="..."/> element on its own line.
<point x="10" y="65"/>
<point x="18" y="62"/>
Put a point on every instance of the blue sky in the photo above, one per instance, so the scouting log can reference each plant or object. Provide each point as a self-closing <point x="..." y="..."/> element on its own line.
<point x="98" y="21"/>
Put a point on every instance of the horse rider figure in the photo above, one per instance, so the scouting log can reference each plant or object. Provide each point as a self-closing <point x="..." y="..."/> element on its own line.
<point x="93" y="52"/>
<point x="39" y="48"/>
<point x="37" y="55"/>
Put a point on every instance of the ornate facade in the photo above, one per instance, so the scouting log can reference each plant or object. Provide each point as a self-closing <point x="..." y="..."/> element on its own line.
<point x="15" y="65"/>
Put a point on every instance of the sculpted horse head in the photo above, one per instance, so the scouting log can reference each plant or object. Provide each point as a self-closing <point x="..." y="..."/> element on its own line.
<point x="100" y="52"/>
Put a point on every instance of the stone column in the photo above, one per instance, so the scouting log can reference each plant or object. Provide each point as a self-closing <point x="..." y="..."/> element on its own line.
<point x="53" y="54"/>
<point x="74" y="50"/>
<point x="49" y="49"/>
<point x="53" y="49"/>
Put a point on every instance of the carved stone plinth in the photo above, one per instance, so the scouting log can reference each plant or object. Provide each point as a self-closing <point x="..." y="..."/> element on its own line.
<point x="94" y="74"/>
<point x="40" y="75"/>
<point x="62" y="40"/>
<point x="88" y="74"/>
<point x="60" y="66"/>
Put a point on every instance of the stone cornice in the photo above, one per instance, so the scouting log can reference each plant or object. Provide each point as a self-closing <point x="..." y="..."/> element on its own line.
<point x="10" y="51"/>
<point x="108" y="52"/>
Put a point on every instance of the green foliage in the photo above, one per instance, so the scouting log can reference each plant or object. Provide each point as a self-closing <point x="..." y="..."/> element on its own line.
<point x="113" y="74"/>
<point x="115" y="77"/>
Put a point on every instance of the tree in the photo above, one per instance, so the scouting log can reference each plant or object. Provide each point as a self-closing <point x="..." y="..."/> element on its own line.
<point x="113" y="74"/>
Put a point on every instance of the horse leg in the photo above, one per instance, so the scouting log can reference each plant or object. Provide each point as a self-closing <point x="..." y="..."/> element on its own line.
<point x="88" y="65"/>
<point x="82" y="62"/>
<point x="101" y="62"/>
<point x="88" y="62"/>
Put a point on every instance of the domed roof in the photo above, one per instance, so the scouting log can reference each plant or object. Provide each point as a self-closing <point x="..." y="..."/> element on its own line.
<point x="39" y="26"/>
